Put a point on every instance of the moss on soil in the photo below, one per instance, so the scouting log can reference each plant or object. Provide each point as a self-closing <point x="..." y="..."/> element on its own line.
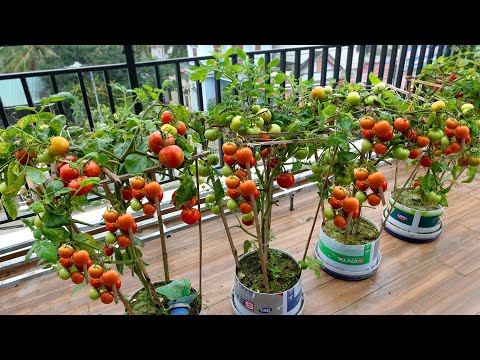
<point x="283" y="272"/>
<point x="363" y="234"/>
<point x="411" y="199"/>
<point x="149" y="307"/>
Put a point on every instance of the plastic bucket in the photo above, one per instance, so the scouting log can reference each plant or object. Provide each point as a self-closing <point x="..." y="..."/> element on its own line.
<point x="418" y="226"/>
<point x="348" y="262"/>
<point x="248" y="302"/>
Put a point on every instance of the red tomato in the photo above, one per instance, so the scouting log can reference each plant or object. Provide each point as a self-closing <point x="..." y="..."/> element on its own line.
<point x="285" y="180"/>
<point x="181" y="128"/>
<point x="401" y="124"/>
<point x="425" y="161"/>
<point x="67" y="173"/>
<point x="171" y="156"/>
<point x="190" y="216"/>
<point x="166" y="117"/>
<point x="91" y="169"/>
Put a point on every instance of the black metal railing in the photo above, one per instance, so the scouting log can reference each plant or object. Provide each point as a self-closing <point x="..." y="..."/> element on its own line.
<point x="344" y="63"/>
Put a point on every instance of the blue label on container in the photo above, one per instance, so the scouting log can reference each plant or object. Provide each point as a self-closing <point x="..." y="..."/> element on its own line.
<point x="292" y="300"/>
<point x="265" y="310"/>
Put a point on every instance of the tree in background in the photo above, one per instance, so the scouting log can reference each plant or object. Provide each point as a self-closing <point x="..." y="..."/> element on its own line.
<point x="25" y="57"/>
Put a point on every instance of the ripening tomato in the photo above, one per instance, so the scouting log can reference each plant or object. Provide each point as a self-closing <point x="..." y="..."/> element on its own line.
<point x="66" y="262"/>
<point x="377" y="189"/>
<point x="152" y="189"/>
<point x="401" y="124"/>
<point x="367" y="122"/>
<point x="125" y="221"/>
<point x="110" y="277"/>
<point x="247" y="188"/>
<point x="181" y="128"/>
<point x="157" y="143"/>
<point x="80" y="258"/>
<point x="447" y="151"/>
<point x="373" y="199"/>
<point x="243" y="155"/>
<point x="462" y="132"/>
<point x="249" y="222"/>
<point x="336" y="204"/>
<point x="245" y="208"/>
<point x="376" y="179"/>
<point x="251" y="162"/>
<point x="340" y="221"/>
<point x="61" y="163"/>
<point x="189" y="203"/>
<point x="339" y="192"/>
<point x="379" y="148"/>
<point x="350" y="204"/>
<point x="264" y="153"/>
<point x="149" y="209"/>
<point x="360" y="174"/>
<point x="451" y="123"/>
<point x="123" y="241"/>
<point x="362" y="185"/>
<point x="127" y="193"/>
<point x="234" y="193"/>
<point x="190" y="216"/>
<point x="425" y="161"/>
<point x="58" y="146"/>
<point x="232" y="182"/>
<point x="106" y="297"/>
<point x="387" y="137"/>
<point x="229" y="159"/>
<point x="108" y="250"/>
<point x="138" y="194"/>
<point x="285" y="180"/>
<point x="77" y="277"/>
<point x="382" y="128"/>
<point x="171" y="156"/>
<point x="96" y="282"/>
<point x="229" y="148"/>
<point x="65" y="251"/>
<point x="118" y="285"/>
<point x="77" y="188"/>
<point x="414" y="153"/>
<point x="67" y="173"/>
<point x="23" y="157"/>
<point x="416" y="183"/>
<point x="423" y="141"/>
<point x="368" y="134"/>
<point x="241" y="174"/>
<point x="159" y="196"/>
<point x="455" y="147"/>
<point x="95" y="271"/>
<point x="410" y="134"/>
<point x="166" y="117"/>
<point x="112" y="227"/>
<point x="110" y="215"/>
<point x="273" y="162"/>
<point x="137" y="182"/>
<point x="450" y="132"/>
<point x="91" y="169"/>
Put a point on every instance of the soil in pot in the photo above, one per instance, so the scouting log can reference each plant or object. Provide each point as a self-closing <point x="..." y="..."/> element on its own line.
<point x="283" y="271"/>
<point x="411" y="199"/>
<point x="362" y="234"/>
<point x="143" y="305"/>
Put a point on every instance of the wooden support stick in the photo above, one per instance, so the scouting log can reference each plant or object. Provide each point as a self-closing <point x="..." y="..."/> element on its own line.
<point x="320" y="202"/>
<point x="347" y="228"/>
<point x="162" y="240"/>
<point x="125" y="302"/>
<point x="111" y="175"/>
<point x="200" y="239"/>
<point x="115" y="294"/>
<point x="229" y="236"/>
<point x="382" y="196"/>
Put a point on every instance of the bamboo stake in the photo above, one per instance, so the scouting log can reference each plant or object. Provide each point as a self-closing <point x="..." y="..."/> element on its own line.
<point x="313" y="227"/>
<point x="115" y="294"/>
<point x="200" y="240"/>
<point x="263" y="256"/>
<point x="53" y="169"/>
<point x="162" y="239"/>
<point x="111" y="175"/>
<point x="382" y="196"/>
<point x="125" y="302"/>
<point x="229" y="236"/>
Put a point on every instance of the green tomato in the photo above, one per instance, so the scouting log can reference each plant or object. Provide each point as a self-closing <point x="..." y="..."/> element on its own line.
<point x="90" y="240"/>
<point x="371" y="100"/>
<point x="301" y="154"/>
<point x="37" y="221"/>
<point x="265" y="114"/>
<point x="366" y="145"/>
<point x="275" y="128"/>
<point x="434" y="135"/>
<point x="110" y="238"/>
<point x="236" y="123"/>
<point x="328" y="89"/>
<point x="213" y="159"/>
<point x="227" y="170"/>
<point x="204" y="170"/>
<point x="46" y="158"/>
<point x="93" y="294"/>
<point x="232" y="205"/>
<point x="317" y="168"/>
<point x="247" y="217"/>
<point x="64" y="274"/>
<point x="210" y="198"/>
<point x="329" y="212"/>
<point x="3" y="188"/>
<point x="215" y="209"/>
<point x="400" y="153"/>
<point x="254" y="130"/>
<point x="466" y="108"/>
<point x="211" y="134"/>
<point x="353" y="98"/>
<point x="361" y="196"/>
<point x="136" y="205"/>
<point x="418" y="189"/>
<point x="326" y="157"/>
<point x="259" y="122"/>
<point x="433" y="197"/>
<point x="258" y="157"/>
<point x="325" y="170"/>
<point x="339" y="180"/>
<point x="445" y="141"/>
<point x="255" y="108"/>
<point x="378" y="88"/>
<point x="346" y="180"/>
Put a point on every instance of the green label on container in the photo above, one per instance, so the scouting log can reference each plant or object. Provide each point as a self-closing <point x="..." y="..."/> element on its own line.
<point x="402" y="216"/>
<point x="428" y="222"/>
<point x="345" y="259"/>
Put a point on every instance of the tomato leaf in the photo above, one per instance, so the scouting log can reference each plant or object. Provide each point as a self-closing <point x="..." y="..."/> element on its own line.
<point x="57" y="124"/>
<point x="346" y="123"/>
<point x="218" y="190"/>
<point x="26" y="120"/>
<point x="36" y="175"/>
<point x="139" y="241"/>
<point x="10" y="206"/>
<point x="29" y="108"/>
<point x="176" y="289"/>
<point x="373" y="79"/>
<point x="29" y="254"/>
<point x="297" y="166"/>
<point x="247" y="244"/>
<point x="37" y="234"/>
<point x="37" y="207"/>
<point x="51" y="220"/>
<point x="471" y="174"/>
<point x="280" y="78"/>
<point x="186" y="191"/>
<point x="90" y="181"/>
<point x="136" y="163"/>
<point x="45" y="250"/>
<point x="261" y="63"/>
<point x="241" y="54"/>
<point x="347" y="156"/>
<point x="55" y="235"/>
<point x="455" y="171"/>
<point x="53" y="187"/>
<point x="118" y="257"/>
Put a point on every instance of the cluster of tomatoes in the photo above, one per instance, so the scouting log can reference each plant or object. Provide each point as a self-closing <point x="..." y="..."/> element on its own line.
<point x="71" y="266"/>
<point x="240" y="188"/>
<point x="72" y="174"/>
<point x="58" y="146"/>
<point x="189" y="214"/>
<point x="451" y="142"/>
<point x="162" y="142"/>
<point x="140" y="190"/>
<point x="342" y="203"/>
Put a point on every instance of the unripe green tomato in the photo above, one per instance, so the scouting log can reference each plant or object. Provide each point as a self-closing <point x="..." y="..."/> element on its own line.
<point x="433" y="197"/>
<point x="326" y="157"/>
<point x="445" y="141"/>
<point x="328" y="89"/>
<point x="227" y="170"/>
<point x="64" y="274"/>
<point x="255" y="108"/>
<point x="370" y="100"/>
<point x="210" y="198"/>
<point x="366" y="145"/>
<point x="3" y="188"/>
<point x="258" y="157"/>
<point x="378" y="88"/>
<point x="316" y="168"/>
<point x="110" y="238"/>
<point x="259" y="122"/>
<point x="434" y="135"/>
<point x="339" y="180"/>
<point x="204" y="170"/>
<point x="301" y="154"/>
<point x="232" y="205"/>
<point x="136" y="205"/>
<point x="37" y="221"/>
<point x="418" y="190"/>
<point x="275" y="128"/>
<point x="329" y="212"/>
<point x="247" y="217"/>
<point x="325" y="169"/>
<point x="254" y="130"/>
<point x="400" y="153"/>
<point x="45" y="158"/>
<point x="93" y="294"/>
<point x="215" y="209"/>
<point x="211" y="134"/>
<point x="353" y="98"/>
<point x="213" y="159"/>
<point x="235" y="123"/>
<point x="361" y="196"/>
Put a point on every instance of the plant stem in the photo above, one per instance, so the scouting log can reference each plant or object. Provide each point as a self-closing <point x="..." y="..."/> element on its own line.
<point x="347" y="228"/>
<point x="162" y="240"/>
<point x="112" y="200"/>
<point x="200" y="240"/>
<point x="125" y="302"/>
<point x="229" y="235"/>
<point x="320" y="201"/>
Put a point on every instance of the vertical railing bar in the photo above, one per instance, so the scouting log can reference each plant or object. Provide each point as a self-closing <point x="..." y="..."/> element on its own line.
<point x="431" y="51"/>
<point x="199" y="91"/>
<point x="311" y="63"/>
<point x="361" y="60"/>
<point x="323" y="76"/>
<point x="3" y="114"/>
<point x="440" y="51"/>
<point x="411" y="61"/>
<point x="283" y="64"/>
<point x="421" y="58"/>
<point x="111" y="102"/>
<point x="235" y="61"/>
<point x="338" y="56"/>
<point x="55" y="89"/>
<point x="218" y="100"/>
<point x="447" y="51"/>
<point x="132" y="73"/>
<point x="371" y="61"/>
<point x="297" y="64"/>
<point x="401" y="65"/>
<point x="267" y="60"/>
<point x="383" y="58"/>
<point x="391" y="67"/>
<point x="178" y="76"/>
<point x="85" y="100"/>
<point x="26" y="90"/>
<point x="348" y="70"/>
<point x="158" y="80"/>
